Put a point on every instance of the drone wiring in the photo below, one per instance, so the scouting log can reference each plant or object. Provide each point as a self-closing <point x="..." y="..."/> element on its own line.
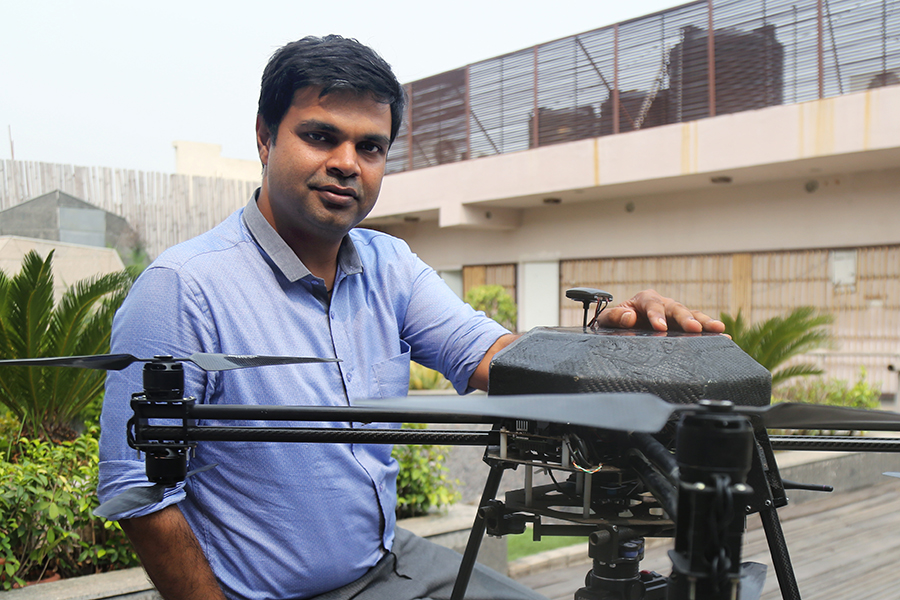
<point x="577" y="454"/>
<point x="602" y="303"/>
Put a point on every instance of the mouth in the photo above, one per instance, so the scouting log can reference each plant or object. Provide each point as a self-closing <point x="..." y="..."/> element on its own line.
<point x="337" y="194"/>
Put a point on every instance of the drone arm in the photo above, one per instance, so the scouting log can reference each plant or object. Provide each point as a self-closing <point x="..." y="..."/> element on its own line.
<point x="171" y="555"/>
<point x="657" y="454"/>
<point x="662" y="489"/>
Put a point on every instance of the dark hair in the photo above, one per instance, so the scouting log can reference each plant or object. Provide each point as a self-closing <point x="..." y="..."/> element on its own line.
<point x="332" y="63"/>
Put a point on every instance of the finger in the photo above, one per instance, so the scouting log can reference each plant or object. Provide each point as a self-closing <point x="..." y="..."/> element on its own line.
<point x="709" y="324"/>
<point x="655" y="309"/>
<point x="679" y="315"/>
<point x="622" y="316"/>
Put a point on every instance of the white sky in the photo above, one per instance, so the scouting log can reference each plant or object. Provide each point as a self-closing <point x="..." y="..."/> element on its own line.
<point x="113" y="83"/>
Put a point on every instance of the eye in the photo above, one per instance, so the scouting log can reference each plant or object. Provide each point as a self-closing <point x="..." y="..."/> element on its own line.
<point x="315" y="136"/>
<point x="371" y="148"/>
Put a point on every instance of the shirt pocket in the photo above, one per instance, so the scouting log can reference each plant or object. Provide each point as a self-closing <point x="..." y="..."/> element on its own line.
<point x="391" y="377"/>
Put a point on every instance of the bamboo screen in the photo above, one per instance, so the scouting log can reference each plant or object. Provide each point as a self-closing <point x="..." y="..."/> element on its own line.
<point x="503" y="275"/>
<point x="163" y="208"/>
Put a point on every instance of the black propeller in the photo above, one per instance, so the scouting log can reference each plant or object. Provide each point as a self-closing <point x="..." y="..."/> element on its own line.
<point x="207" y="362"/>
<point x="138" y="497"/>
<point x="790" y="415"/>
<point x="639" y="412"/>
<point x="623" y="412"/>
<point x="753" y="578"/>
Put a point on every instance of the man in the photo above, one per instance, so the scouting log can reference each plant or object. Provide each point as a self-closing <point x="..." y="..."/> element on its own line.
<point x="289" y="275"/>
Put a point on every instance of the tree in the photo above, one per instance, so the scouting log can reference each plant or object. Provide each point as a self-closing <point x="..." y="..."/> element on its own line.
<point x="777" y="340"/>
<point x="46" y="400"/>
<point x="495" y="302"/>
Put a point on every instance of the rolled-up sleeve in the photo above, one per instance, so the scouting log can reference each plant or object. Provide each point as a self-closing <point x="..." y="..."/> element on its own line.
<point x="159" y="317"/>
<point x="445" y="333"/>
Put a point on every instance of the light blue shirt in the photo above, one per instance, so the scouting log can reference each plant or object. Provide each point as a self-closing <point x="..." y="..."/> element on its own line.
<point x="282" y="520"/>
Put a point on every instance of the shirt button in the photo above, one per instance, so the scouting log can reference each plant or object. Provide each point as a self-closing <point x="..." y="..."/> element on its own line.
<point x="349" y="377"/>
<point x="333" y="316"/>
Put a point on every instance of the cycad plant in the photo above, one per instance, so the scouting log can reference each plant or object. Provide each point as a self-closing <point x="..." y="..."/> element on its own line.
<point x="777" y="340"/>
<point x="47" y="400"/>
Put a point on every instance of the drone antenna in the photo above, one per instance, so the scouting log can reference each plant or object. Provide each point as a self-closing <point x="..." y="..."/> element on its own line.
<point x="588" y="296"/>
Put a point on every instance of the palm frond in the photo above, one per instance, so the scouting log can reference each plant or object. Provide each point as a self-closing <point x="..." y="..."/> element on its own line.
<point x="798" y="370"/>
<point x="47" y="399"/>
<point x="777" y="340"/>
<point x="30" y="306"/>
<point x="76" y="309"/>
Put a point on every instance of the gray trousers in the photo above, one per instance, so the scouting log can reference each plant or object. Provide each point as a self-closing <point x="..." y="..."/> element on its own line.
<point x="417" y="569"/>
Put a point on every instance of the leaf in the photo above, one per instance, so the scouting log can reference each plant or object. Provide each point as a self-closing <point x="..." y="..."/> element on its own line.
<point x="776" y="341"/>
<point x="47" y="399"/>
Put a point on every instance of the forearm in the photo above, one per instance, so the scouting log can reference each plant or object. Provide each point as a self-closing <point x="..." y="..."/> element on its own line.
<point x="479" y="379"/>
<point x="172" y="556"/>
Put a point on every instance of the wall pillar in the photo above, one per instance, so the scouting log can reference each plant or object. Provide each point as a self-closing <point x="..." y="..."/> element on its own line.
<point x="538" y="296"/>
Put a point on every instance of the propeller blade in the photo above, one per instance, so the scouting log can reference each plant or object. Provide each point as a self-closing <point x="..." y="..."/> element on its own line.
<point x="892" y="474"/>
<point x="207" y="362"/>
<point x="753" y="578"/>
<point x="621" y="412"/>
<point x="227" y="362"/>
<point x="105" y="362"/>
<point x="131" y="499"/>
<point x="139" y="497"/>
<point x="789" y="415"/>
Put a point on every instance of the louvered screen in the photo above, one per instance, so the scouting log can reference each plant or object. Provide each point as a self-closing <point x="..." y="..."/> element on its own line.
<point x="438" y="108"/>
<point x="861" y="45"/>
<point x="501" y="103"/>
<point x="662" y="68"/>
<point x="398" y="155"/>
<point x="749" y="69"/>
<point x="575" y="79"/>
<point x="767" y="52"/>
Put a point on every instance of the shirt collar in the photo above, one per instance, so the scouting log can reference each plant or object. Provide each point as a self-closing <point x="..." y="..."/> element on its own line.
<point x="282" y="255"/>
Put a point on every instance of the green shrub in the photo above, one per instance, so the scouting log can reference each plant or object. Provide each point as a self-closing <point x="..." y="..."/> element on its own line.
<point x="422" y="482"/>
<point x="831" y="392"/>
<point x="495" y="302"/>
<point x="47" y="496"/>
<point x="423" y="378"/>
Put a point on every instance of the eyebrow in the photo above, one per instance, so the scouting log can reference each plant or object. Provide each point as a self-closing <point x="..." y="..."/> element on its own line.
<point x="331" y="128"/>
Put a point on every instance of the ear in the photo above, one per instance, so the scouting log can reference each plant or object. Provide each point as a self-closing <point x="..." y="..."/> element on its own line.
<point x="263" y="137"/>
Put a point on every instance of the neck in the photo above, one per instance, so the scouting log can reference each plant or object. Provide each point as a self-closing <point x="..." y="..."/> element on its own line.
<point x="319" y="258"/>
<point x="318" y="253"/>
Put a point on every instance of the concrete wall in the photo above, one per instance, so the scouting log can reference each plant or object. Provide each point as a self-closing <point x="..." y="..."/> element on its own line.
<point x="846" y="210"/>
<point x="71" y="262"/>
<point x="205" y="160"/>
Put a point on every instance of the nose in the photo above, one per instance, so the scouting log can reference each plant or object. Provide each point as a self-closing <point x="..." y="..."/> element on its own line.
<point x="343" y="161"/>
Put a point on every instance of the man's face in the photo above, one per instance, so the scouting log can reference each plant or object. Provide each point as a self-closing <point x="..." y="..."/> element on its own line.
<point x="323" y="172"/>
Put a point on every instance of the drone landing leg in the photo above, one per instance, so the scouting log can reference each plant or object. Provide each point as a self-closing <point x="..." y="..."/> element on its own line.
<point x="468" y="561"/>
<point x="780" y="557"/>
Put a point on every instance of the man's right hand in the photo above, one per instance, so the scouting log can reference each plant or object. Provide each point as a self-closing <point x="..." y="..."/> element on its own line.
<point x="172" y="556"/>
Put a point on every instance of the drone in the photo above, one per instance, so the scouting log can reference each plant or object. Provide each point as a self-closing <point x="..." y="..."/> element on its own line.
<point x="622" y="421"/>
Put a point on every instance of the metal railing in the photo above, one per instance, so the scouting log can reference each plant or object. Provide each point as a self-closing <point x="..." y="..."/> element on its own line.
<point x="697" y="60"/>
